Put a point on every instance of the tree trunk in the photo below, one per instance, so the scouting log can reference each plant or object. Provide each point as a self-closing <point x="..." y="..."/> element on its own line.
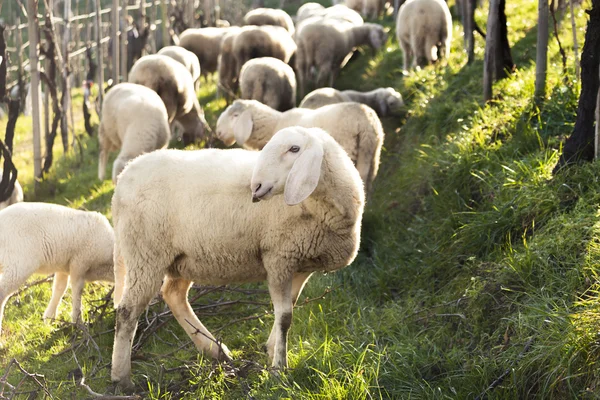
<point x="491" y="44"/>
<point x="575" y="44"/>
<point x="99" y="53"/>
<point x="504" y="63"/>
<point x="580" y="145"/>
<point x="32" y="7"/>
<point x="468" y="19"/>
<point x="541" y="60"/>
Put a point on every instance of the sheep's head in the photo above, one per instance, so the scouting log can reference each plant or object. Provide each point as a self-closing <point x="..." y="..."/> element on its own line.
<point x="389" y="101"/>
<point x="235" y="123"/>
<point x="377" y="36"/>
<point x="290" y="163"/>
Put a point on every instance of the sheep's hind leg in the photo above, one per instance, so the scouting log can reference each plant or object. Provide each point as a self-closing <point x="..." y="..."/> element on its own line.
<point x="59" y="286"/>
<point x="77" y="284"/>
<point x="298" y="282"/>
<point x="175" y="294"/>
<point x="9" y="283"/>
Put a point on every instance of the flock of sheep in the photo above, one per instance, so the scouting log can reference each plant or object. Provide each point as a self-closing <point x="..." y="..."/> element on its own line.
<point x="226" y="216"/>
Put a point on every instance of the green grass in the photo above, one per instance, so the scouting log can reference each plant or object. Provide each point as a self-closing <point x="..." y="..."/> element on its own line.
<point x="475" y="259"/>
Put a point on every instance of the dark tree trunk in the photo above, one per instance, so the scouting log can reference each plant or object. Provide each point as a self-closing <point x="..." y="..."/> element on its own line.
<point x="580" y="145"/>
<point x="504" y="65"/>
<point x="468" y="20"/>
<point x="498" y="60"/>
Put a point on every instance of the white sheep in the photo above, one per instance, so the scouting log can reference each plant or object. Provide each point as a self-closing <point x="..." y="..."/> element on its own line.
<point x="385" y="101"/>
<point x="135" y="120"/>
<point x="424" y="31"/>
<point x="326" y="45"/>
<point x="174" y="84"/>
<point x="227" y="68"/>
<point x="262" y="41"/>
<point x="270" y="81"/>
<point x="308" y="10"/>
<point x="368" y="8"/>
<point x="308" y="219"/>
<point x="15" y="197"/>
<point x="269" y="16"/>
<point x="186" y="58"/>
<point x="354" y="126"/>
<point x="205" y="43"/>
<point x="40" y="238"/>
<point x="338" y="11"/>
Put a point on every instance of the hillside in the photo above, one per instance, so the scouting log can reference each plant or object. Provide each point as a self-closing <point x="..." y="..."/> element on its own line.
<point x="478" y="268"/>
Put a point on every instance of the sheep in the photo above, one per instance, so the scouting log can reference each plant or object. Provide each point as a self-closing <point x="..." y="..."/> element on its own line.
<point x="173" y="83"/>
<point x="135" y="120"/>
<point x="228" y="82"/>
<point x="15" y="197"/>
<point x="314" y="226"/>
<point x="40" y="238"/>
<point x="327" y="45"/>
<point x="262" y="41"/>
<point x="368" y="8"/>
<point x="385" y="101"/>
<point x="270" y="81"/>
<point x="355" y="126"/>
<point x="187" y="59"/>
<point x="424" y="31"/>
<point x="338" y="11"/>
<point x="269" y="16"/>
<point x="205" y="43"/>
<point x="308" y="10"/>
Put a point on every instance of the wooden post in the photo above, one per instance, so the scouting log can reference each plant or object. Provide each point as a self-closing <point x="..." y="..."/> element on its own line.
<point x="491" y="44"/>
<point x="115" y="40"/>
<point x="165" y="19"/>
<point x="66" y="96"/>
<point x="190" y="12"/>
<point x="153" y="17"/>
<point x="124" y="41"/>
<point x="99" y="58"/>
<point x="32" y="7"/>
<point x="541" y="59"/>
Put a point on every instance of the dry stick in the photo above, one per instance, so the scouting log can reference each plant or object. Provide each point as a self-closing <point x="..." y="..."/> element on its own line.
<point x="38" y="282"/>
<point x="34" y="377"/>
<point x="501" y="378"/>
<point x="575" y="46"/>
<point x="560" y="48"/>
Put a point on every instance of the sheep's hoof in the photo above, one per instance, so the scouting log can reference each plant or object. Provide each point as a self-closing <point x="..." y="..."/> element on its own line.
<point x="125" y="386"/>
<point x="224" y="354"/>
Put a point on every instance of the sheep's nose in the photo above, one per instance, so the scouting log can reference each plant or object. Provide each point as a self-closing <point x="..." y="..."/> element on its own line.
<point x="259" y="191"/>
<point x="254" y="191"/>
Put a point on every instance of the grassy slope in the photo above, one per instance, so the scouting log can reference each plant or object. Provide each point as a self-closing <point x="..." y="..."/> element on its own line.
<point x="472" y="253"/>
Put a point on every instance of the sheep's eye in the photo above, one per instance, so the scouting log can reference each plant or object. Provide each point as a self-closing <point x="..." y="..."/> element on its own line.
<point x="294" y="149"/>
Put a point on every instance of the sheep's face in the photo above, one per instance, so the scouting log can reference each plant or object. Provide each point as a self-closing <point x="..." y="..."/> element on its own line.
<point x="377" y="36"/>
<point x="234" y="124"/>
<point x="390" y="101"/>
<point x="290" y="163"/>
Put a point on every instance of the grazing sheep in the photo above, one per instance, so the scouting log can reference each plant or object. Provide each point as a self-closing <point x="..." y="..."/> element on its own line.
<point x="385" y="101"/>
<point x="270" y="81"/>
<point x="228" y="79"/>
<point x="262" y="239"/>
<point x="337" y="12"/>
<point x="327" y="45"/>
<point x="269" y="16"/>
<point x="40" y="238"/>
<point x="354" y="126"/>
<point x="134" y="119"/>
<point x="368" y="8"/>
<point x="262" y="41"/>
<point x="424" y="31"/>
<point x="205" y="43"/>
<point x="308" y="10"/>
<point x="15" y="197"/>
<point x="173" y="83"/>
<point x="187" y="59"/>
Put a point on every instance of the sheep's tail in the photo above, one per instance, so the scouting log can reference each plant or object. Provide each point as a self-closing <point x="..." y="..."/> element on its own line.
<point x="369" y="142"/>
<point x="119" y="276"/>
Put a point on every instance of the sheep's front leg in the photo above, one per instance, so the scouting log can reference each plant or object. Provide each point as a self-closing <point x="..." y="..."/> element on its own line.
<point x="298" y="282"/>
<point x="175" y="294"/>
<point x="59" y="286"/>
<point x="280" y="288"/>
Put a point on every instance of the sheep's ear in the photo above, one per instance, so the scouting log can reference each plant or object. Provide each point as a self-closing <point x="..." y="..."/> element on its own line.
<point x="242" y="127"/>
<point x="304" y="175"/>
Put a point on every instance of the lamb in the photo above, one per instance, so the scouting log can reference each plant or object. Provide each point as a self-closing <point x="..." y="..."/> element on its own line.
<point x="268" y="238"/>
<point x="385" y="101"/>
<point x="174" y="85"/>
<point x="262" y="41"/>
<point x="327" y="45"/>
<point x="424" y="31"/>
<point x="269" y="16"/>
<point x="354" y="126"/>
<point x="40" y="238"/>
<point x="187" y="59"/>
<point x="205" y="43"/>
<point x="135" y="120"/>
<point x="15" y="197"/>
<point x="270" y="81"/>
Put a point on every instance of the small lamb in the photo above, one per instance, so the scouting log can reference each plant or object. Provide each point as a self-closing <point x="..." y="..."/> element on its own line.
<point x="424" y="31"/>
<point x="135" y="120"/>
<point x="41" y="238"/>
<point x="174" y="84"/>
<point x="276" y="215"/>
<point x="354" y="126"/>
<point x="385" y="101"/>
<point x="270" y="81"/>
